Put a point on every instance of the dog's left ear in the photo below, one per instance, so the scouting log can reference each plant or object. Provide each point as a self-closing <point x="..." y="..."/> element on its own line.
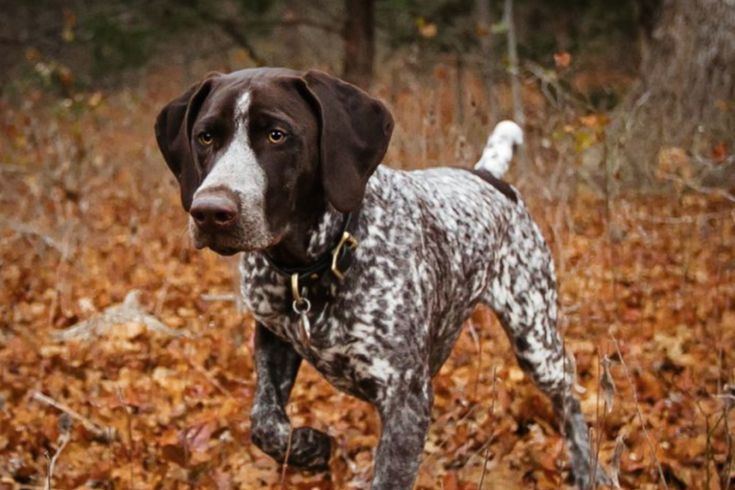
<point x="355" y="130"/>
<point x="173" y="134"/>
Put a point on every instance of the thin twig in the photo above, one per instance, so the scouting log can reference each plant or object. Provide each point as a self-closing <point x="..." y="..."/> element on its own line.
<point x="727" y="405"/>
<point x="727" y="471"/>
<point x="445" y="440"/>
<point x="598" y="440"/>
<point x="477" y="339"/>
<point x="492" y="414"/>
<point x="52" y="309"/>
<point x="639" y="413"/>
<point x="129" y="419"/>
<point x="606" y="391"/>
<point x="101" y="433"/>
<point x="285" y="457"/>
<point x="233" y="30"/>
<point x="615" y="462"/>
<point x="209" y="377"/>
<point x="712" y="191"/>
<point x="65" y="424"/>
<point x="296" y="22"/>
<point x="224" y="297"/>
<point x="28" y="230"/>
<point x="161" y="296"/>
<point x="728" y="390"/>
<point x="686" y="219"/>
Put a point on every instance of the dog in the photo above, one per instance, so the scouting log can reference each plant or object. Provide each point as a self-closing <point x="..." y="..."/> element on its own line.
<point x="365" y="272"/>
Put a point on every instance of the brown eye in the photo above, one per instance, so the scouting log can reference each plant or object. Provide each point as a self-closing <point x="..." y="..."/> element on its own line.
<point x="205" y="138"/>
<point x="276" y="136"/>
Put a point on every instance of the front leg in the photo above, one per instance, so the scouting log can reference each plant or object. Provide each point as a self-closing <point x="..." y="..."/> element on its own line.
<point x="277" y="364"/>
<point x="405" y="414"/>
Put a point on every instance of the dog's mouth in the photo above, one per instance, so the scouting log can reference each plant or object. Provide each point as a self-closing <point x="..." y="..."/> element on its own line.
<point x="223" y="250"/>
<point x="218" y="243"/>
<point x="230" y="242"/>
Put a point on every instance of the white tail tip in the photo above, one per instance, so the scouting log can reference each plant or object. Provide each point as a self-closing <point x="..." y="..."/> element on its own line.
<point x="498" y="150"/>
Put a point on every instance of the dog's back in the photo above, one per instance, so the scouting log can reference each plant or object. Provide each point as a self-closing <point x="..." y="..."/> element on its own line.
<point x="445" y="225"/>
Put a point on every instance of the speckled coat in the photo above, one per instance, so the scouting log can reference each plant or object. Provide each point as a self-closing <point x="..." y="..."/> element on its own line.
<point x="269" y="162"/>
<point x="433" y="244"/>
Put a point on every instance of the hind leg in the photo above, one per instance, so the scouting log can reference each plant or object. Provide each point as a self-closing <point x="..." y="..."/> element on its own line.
<point x="523" y="295"/>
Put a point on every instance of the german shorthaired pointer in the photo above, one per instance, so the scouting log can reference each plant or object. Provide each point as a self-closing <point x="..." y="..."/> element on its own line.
<point x="364" y="271"/>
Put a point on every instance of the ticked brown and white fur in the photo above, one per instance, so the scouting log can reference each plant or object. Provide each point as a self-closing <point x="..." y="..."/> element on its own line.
<point x="269" y="161"/>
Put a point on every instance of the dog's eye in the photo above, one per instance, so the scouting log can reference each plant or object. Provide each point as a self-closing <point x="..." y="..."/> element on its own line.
<point x="276" y="136"/>
<point x="205" y="138"/>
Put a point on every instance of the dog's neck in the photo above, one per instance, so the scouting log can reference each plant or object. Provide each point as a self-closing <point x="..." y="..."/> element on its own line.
<point x="326" y="234"/>
<point x="308" y="238"/>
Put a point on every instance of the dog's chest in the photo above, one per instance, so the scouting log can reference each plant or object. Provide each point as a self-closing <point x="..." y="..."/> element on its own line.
<point x="341" y="346"/>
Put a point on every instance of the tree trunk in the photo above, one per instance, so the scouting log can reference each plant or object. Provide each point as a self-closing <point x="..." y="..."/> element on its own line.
<point x="359" y="39"/>
<point x="483" y="28"/>
<point x="515" y="84"/>
<point x="519" y="116"/>
<point x="685" y="94"/>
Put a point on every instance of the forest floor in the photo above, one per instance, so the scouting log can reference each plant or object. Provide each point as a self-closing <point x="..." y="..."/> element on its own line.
<point x="90" y="216"/>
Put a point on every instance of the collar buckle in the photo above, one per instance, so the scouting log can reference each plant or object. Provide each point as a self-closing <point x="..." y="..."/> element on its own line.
<point x="295" y="290"/>
<point x="337" y="253"/>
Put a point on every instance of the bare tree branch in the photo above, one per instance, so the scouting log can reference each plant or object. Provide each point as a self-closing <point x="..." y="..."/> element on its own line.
<point x="297" y="22"/>
<point x="233" y="30"/>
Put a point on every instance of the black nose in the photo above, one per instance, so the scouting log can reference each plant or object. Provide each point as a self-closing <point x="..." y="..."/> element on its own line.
<point x="214" y="211"/>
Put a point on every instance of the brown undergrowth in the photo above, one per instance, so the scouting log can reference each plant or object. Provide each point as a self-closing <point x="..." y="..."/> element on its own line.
<point x="88" y="214"/>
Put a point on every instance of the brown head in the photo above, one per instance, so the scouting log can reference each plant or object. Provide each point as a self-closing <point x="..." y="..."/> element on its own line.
<point x="256" y="152"/>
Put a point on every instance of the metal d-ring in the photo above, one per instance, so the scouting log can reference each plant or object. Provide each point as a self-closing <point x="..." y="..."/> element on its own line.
<point x="301" y="306"/>
<point x="348" y="240"/>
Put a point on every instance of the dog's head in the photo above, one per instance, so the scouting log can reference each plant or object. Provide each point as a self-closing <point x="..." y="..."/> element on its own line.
<point x="254" y="148"/>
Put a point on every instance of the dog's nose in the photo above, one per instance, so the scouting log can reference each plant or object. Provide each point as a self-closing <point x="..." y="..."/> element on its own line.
<point x="214" y="212"/>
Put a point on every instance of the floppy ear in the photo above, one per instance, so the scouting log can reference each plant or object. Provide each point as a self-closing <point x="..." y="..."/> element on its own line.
<point x="355" y="130"/>
<point x="173" y="134"/>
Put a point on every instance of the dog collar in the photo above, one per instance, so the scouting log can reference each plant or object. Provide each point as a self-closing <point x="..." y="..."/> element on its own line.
<point x="336" y="261"/>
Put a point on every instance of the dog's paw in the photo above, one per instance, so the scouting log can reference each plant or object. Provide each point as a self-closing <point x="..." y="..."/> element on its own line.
<point x="310" y="449"/>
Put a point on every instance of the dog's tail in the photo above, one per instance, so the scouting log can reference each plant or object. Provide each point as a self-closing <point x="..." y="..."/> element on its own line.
<point x="498" y="150"/>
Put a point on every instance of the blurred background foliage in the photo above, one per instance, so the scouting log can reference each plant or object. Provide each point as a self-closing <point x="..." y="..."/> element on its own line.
<point x="97" y="42"/>
<point x="663" y="64"/>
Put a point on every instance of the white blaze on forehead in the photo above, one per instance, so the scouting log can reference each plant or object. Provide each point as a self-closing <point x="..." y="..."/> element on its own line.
<point x="238" y="169"/>
<point x="242" y="105"/>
